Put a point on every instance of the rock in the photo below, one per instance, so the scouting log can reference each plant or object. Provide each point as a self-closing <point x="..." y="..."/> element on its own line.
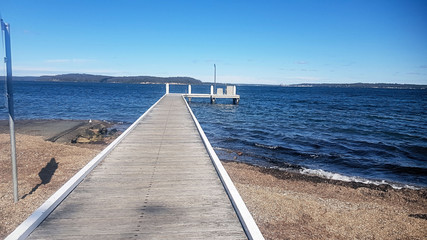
<point x="81" y="140"/>
<point x="96" y="133"/>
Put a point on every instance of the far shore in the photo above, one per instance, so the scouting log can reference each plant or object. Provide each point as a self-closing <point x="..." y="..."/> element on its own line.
<point x="285" y="205"/>
<point x="90" y="78"/>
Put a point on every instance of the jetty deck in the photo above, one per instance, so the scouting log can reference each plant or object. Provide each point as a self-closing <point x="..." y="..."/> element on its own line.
<point x="157" y="183"/>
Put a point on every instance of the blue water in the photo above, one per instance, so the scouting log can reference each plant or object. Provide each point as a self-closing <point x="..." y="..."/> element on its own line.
<point x="111" y="102"/>
<point x="341" y="133"/>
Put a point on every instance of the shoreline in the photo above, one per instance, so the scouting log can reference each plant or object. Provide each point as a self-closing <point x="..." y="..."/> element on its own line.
<point x="297" y="176"/>
<point x="232" y="155"/>
<point x="286" y="174"/>
<point x="65" y="131"/>
<point x="284" y="204"/>
<point x="295" y="206"/>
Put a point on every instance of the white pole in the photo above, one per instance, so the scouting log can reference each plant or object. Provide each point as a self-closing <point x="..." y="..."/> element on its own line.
<point x="167" y="88"/>
<point x="6" y="28"/>
<point x="189" y="89"/>
<point x="215" y="77"/>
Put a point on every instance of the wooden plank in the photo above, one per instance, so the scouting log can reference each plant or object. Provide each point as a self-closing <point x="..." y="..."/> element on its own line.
<point x="158" y="183"/>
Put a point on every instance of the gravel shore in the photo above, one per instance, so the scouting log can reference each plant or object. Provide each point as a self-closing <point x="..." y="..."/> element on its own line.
<point x="285" y="205"/>
<point x="295" y="206"/>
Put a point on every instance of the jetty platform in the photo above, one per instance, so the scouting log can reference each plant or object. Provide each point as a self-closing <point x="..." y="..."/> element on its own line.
<point x="160" y="180"/>
<point x="230" y="93"/>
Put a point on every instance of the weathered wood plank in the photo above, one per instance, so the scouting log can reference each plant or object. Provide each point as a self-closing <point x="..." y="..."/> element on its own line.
<point x="158" y="183"/>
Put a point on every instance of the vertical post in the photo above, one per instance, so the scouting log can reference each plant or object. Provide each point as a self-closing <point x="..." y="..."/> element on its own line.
<point x="212" y="91"/>
<point x="234" y="90"/>
<point x="215" y="77"/>
<point x="8" y="60"/>
<point x="189" y="89"/>
<point x="167" y="88"/>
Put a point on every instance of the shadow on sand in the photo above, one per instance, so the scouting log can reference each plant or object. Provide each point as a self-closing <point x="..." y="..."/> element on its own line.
<point x="45" y="175"/>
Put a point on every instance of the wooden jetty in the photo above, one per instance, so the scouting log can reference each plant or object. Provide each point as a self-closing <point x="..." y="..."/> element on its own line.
<point x="160" y="179"/>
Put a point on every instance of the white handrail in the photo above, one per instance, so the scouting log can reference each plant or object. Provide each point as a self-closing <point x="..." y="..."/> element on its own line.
<point x="251" y="228"/>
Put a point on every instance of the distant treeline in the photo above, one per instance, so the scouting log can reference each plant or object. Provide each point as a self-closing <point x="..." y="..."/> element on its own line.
<point x="110" y="79"/>
<point x="192" y="81"/>
<point x="361" y="85"/>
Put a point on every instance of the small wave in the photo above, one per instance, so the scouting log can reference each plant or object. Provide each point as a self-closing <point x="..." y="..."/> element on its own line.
<point x="255" y="159"/>
<point x="266" y="146"/>
<point x="335" y="176"/>
<point x="224" y="149"/>
<point x="252" y="158"/>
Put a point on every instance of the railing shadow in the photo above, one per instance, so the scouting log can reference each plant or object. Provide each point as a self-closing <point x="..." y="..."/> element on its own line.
<point x="45" y="175"/>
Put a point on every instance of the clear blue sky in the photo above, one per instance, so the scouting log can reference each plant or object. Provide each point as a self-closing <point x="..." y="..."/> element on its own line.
<point x="267" y="42"/>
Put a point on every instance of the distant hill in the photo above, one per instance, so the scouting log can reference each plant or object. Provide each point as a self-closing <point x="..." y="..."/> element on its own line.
<point x="361" y="85"/>
<point x="110" y="79"/>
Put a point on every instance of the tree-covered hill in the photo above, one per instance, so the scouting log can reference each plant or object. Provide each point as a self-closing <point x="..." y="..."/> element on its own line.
<point x="110" y="79"/>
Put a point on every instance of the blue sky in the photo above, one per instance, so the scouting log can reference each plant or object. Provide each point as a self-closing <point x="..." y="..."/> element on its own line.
<point x="265" y="42"/>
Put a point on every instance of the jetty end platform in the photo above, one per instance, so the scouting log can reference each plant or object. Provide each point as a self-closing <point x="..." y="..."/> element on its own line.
<point x="160" y="179"/>
<point x="230" y="93"/>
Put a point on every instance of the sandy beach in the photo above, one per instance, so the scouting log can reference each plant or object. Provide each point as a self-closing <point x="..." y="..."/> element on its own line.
<point x="285" y="205"/>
